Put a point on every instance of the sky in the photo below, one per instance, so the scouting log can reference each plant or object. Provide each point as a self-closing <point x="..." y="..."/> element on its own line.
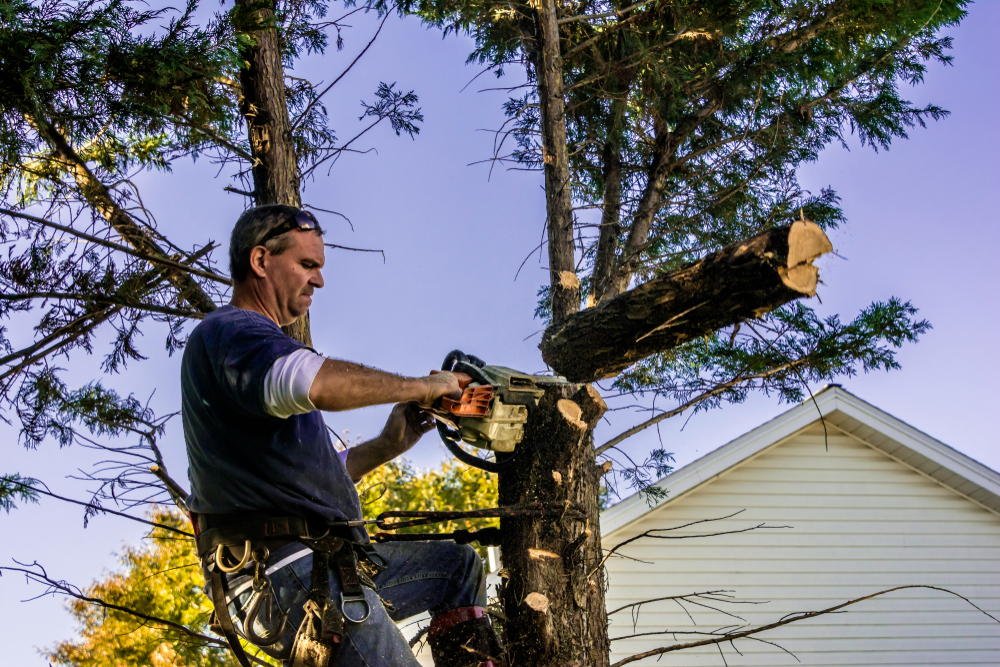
<point x="921" y="226"/>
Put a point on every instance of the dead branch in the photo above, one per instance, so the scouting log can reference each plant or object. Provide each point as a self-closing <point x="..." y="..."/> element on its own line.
<point x="104" y="299"/>
<point x="704" y="594"/>
<point x="153" y="259"/>
<point x="344" y="247"/>
<point x="733" y="635"/>
<point x="98" y="508"/>
<point x="64" y="588"/>
<point x="650" y="533"/>
<point x="316" y="99"/>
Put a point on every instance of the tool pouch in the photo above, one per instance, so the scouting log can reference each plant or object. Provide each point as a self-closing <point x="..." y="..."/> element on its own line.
<point x="320" y="636"/>
<point x="310" y="649"/>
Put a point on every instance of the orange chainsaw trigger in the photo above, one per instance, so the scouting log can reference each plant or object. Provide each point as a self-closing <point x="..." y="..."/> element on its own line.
<point x="463" y="379"/>
<point x="475" y="402"/>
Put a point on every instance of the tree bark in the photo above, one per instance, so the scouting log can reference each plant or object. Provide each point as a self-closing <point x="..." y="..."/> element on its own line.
<point x="607" y="242"/>
<point x="264" y="106"/>
<point x="563" y="283"/>
<point x="739" y="282"/>
<point x="553" y="595"/>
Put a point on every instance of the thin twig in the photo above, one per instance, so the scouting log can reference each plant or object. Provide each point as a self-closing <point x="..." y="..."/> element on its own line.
<point x="114" y="246"/>
<point x="791" y="618"/>
<point x="98" y="508"/>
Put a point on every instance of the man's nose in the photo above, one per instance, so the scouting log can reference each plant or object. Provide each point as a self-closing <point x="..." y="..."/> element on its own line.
<point x="317" y="279"/>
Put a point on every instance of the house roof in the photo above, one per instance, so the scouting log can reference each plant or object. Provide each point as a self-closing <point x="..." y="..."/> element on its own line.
<point x="845" y="414"/>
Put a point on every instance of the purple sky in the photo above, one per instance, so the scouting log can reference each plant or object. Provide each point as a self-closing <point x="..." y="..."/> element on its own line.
<point x="921" y="227"/>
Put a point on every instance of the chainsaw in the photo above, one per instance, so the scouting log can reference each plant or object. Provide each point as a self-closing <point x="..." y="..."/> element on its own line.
<point x="491" y="412"/>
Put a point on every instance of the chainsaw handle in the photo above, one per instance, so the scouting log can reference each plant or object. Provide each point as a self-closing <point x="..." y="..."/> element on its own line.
<point x="464" y="380"/>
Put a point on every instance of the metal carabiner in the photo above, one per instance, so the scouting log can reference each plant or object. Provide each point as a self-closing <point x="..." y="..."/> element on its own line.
<point x="240" y="566"/>
<point x="264" y="594"/>
<point x="354" y="599"/>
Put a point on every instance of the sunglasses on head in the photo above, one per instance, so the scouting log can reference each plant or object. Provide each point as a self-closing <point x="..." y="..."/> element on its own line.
<point x="303" y="220"/>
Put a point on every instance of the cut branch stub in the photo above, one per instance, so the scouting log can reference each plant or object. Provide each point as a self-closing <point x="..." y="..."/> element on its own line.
<point x="737" y="283"/>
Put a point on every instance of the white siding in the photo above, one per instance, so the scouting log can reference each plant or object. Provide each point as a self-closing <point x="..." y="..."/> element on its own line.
<point x="858" y="522"/>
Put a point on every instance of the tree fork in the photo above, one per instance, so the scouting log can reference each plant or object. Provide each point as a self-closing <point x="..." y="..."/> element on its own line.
<point x="739" y="282"/>
<point x="553" y="595"/>
<point x="564" y="284"/>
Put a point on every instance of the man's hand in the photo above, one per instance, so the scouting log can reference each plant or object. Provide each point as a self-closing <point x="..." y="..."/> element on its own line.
<point x="407" y="423"/>
<point x="444" y="383"/>
<point x="405" y="426"/>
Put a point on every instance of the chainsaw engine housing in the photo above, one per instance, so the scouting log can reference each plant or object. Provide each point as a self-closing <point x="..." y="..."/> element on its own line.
<point x="495" y="420"/>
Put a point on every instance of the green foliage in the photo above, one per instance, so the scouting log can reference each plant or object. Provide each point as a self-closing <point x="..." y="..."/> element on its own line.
<point x="452" y="487"/>
<point x="162" y="579"/>
<point x="89" y="70"/>
<point x="778" y="354"/>
<point x="686" y="123"/>
<point x="13" y="486"/>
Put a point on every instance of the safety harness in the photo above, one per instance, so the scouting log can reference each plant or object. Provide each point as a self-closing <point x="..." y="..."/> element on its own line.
<point x="229" y="544"/>
<point x="242" y="544"/>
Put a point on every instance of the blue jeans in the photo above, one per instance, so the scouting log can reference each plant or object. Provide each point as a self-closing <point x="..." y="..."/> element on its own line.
<point x="420" y="576"/>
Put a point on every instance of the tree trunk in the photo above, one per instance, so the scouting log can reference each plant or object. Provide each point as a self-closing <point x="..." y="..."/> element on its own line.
<point x="263" y="104"/>
<point x="563" y="282"/>
<point x="269" y="128"/>
<point x="553" y="594"/>
<point x="739" y="282"/>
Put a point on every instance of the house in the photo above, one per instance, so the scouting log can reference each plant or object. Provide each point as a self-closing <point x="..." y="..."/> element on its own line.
<point x="850" y="504"/>
<point x="807" y="512"/>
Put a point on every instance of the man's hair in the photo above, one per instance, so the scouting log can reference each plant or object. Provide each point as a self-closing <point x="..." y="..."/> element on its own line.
<point x="251" y="228"/>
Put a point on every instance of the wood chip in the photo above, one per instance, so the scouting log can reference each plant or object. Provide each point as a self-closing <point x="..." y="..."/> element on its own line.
<point x="538" y="602"/>
<point x="556" y="476"/>
<point x="538" y="554"/>
<point x="568" y="280"/>
<point x="571" y="412"/>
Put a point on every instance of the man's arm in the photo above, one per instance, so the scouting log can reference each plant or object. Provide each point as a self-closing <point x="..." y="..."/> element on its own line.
<point x="405" y="426"/>
<point x="344" y="385"/>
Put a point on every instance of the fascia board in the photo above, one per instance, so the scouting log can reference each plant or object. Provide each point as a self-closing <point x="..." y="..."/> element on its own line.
<point x="918" y="441"/>
<point x="713" y="464"/>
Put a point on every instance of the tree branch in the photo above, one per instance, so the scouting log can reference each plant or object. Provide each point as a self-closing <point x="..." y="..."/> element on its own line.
<point x="792" y="618"/>
<point x="152" y="259"/>
<point x="734" y="284"/>
<point x="103" y="299"/>
<point x="65" y="588"/>
<point x="98" y="508"/>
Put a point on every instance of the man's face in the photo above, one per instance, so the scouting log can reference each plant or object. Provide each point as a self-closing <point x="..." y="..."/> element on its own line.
<point x="295" y="273"/>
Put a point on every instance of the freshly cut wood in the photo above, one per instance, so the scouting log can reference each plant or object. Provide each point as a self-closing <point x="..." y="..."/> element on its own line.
<point x="553" y="595"/>
<point x="737" y="283"/>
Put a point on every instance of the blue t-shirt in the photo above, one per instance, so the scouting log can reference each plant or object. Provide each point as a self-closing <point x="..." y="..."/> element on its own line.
<point x="240" y="458"/>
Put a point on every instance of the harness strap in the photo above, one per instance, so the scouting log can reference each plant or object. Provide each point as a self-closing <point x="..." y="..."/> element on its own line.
<point x="277" y="528"/>
<point x="225" y="621"/>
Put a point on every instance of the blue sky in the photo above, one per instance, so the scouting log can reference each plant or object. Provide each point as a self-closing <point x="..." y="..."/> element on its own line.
<point x="922" y="226"/>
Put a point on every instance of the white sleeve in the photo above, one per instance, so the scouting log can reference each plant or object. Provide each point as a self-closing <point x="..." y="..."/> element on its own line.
<point x="287" y="384"/>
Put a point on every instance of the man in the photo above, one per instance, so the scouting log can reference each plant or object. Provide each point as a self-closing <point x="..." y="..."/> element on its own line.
<point x="258" y="448"/>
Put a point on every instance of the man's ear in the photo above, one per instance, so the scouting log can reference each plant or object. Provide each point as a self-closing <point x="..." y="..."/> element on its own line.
<point x="257" y="261"/>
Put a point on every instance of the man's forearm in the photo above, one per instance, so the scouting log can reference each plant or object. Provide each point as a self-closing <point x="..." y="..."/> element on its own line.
<point x="367" y="456"/>
<point x="344" y="385"/>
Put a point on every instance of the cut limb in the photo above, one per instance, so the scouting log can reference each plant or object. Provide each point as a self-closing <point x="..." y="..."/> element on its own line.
<point x="739" y="282"/>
